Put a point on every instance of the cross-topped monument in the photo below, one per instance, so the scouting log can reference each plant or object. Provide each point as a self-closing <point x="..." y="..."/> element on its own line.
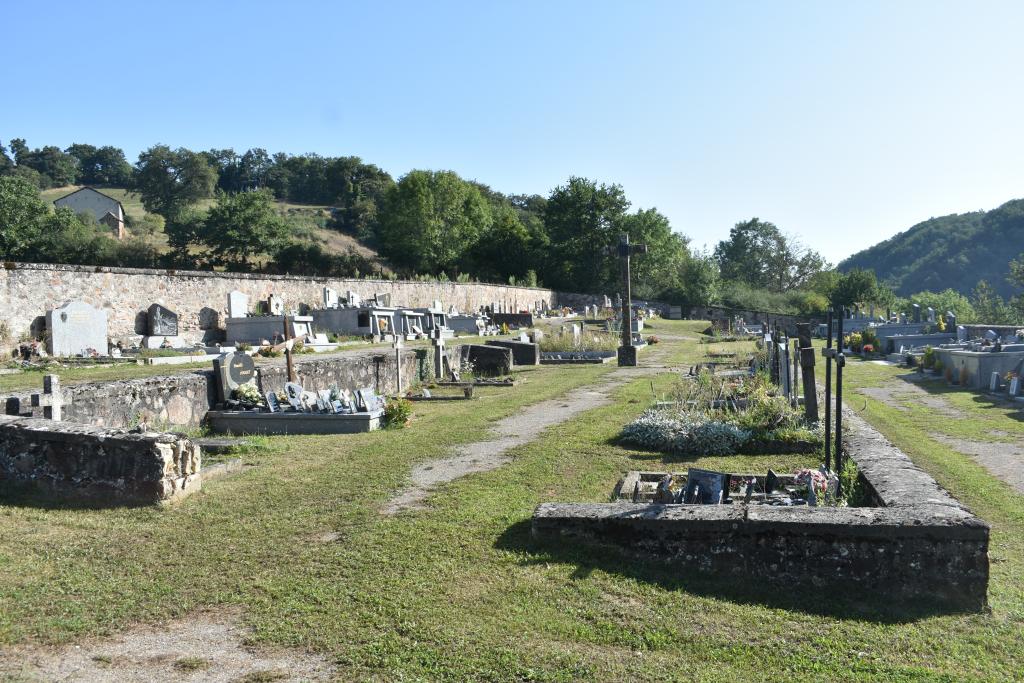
<point x="627" y="352"/>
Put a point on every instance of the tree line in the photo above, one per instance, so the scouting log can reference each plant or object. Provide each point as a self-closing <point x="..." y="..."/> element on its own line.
<point x="425" y="223"/>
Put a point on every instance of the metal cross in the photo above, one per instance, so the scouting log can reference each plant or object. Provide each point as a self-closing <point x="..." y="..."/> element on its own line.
<point x="626" y="250"/>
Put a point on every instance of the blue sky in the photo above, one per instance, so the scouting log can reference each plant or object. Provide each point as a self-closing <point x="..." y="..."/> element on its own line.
<point x="843" y="123"/>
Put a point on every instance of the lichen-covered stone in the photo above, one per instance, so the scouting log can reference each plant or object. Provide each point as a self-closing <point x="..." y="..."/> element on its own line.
<point x="102" y="466"/>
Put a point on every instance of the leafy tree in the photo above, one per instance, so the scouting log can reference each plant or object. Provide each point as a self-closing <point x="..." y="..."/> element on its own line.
<point x="659" y="269"/>
<point x="55" y="168"/>
<point x="430" y="220"/>
<point x="170" y="180"/>
<point x="583" y="220"/>
<point x="856" y="287"/>
<point x="101" y="165"/>
<point x="22" y="215"/>
<point x="240" y="226"/>
<point x="989" y="307"/>
<point x="6" y="163"/>
<point x="760" y="256"/>
<point x="20" y="150"/>
<point x="946" y="300"/>
<point x="697" y="282"/>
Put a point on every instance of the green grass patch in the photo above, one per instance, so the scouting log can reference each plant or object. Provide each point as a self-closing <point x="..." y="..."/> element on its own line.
<point x="460" y="591"/>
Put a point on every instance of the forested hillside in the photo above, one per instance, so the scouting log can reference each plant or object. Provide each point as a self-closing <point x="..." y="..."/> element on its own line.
<point x="949" y="252"/>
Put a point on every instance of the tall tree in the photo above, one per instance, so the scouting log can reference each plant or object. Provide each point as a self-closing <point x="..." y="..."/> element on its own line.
<point x="170" y="180"/>
<point x="760" y="256"/>
<point x="241" y="226"/>
<point x="430" y="220"/>
<point x="22" y="213"/>
<point x="583" y="219"/>
<point x="659" y="269"/>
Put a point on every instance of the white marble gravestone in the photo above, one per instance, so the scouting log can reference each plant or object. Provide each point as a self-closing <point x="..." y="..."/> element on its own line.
<point x="238" y="305"/>
<point x="275" y="304"/>
<point x="1014" y="386"/>
<point x="76" y="328"/>
<point x="330" y="298"/>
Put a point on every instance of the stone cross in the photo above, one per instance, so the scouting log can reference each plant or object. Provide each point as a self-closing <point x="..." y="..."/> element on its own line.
<point x="437" y="341"/>
<point x="51" y="400"/>
<point x="627" y="352"/>
<point x="397" y="346"/>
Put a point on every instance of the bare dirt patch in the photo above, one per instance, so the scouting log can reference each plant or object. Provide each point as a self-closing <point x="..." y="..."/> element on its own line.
<point x="201" y="647"/>
<point x="515" y="430"/>
<point x="1002" y="460"/>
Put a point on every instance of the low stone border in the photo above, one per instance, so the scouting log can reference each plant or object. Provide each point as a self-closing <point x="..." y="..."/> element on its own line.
<point x="919" y="542"/>
<point x="101" y="466"/>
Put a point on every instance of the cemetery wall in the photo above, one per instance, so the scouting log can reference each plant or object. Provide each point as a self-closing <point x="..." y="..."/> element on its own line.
<point x="751" y="318"/>
<point x="97" y="465"/>
<point x="916" y="542"/>
<point x="28" y="290"/>
<point x="181" y="401"/>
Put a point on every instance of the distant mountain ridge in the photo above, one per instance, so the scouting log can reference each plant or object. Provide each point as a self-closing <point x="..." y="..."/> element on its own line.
<point x="949" y="252"/>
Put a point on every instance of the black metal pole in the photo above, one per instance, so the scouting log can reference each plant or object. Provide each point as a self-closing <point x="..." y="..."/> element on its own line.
<point x="840" y="362"/>
<point x="828" y="397"/>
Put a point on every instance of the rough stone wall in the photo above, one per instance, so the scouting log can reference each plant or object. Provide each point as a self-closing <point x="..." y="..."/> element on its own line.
<point x="181" y="401"/>
<point x="101" y="466"/>
<point x="722" y="314"/>
<point x="919" y="542"/>
<point x="200" y="298"/>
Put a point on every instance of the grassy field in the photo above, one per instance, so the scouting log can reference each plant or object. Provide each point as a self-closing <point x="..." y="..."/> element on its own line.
<point x="332" y="241"/>
<point x="461" y="592"/>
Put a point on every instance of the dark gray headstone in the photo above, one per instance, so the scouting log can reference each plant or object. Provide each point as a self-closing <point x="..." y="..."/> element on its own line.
<point x="163" y="322"/>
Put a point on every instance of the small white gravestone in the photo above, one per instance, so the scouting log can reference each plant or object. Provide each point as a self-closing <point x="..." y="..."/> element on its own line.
<point x="993" y="383"/>
<point x="275" y="304"/>
<point x="238" y="305"/>
<point x="1014" y="386"/>
<point x="330" y="298"/>
<point x="436" y="306"/>
<point x="352" y="299"/>
<point x="577" y="333"/>
<point x="961" y="333"/>
<point x="76" y="328"/>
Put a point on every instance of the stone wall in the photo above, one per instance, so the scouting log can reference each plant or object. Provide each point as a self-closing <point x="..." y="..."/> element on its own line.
<point x="181" y="401"/>
<point x="200" y="298"/>
<point x="918" y="543"/>
<point x="97" y="465"/>
<point x="723" y="314"/>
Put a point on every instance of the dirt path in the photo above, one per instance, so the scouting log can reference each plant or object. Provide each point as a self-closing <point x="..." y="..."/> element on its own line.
<point x="1003" y="460"/>
<point x="201" y="647"/>
<point x="515" y="430"/>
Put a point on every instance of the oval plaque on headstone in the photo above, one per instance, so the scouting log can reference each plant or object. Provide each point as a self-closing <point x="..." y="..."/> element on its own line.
<point x="241" y="369"/>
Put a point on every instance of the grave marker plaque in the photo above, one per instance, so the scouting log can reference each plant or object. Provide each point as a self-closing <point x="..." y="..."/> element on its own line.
<point x="162" y="322"/>
<point x="76" y="328"/>
<point x="238" y="304"/>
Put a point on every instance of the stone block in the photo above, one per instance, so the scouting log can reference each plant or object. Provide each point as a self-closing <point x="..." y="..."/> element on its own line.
<point x="488" y="360"/>
<point x="523" y="353"/>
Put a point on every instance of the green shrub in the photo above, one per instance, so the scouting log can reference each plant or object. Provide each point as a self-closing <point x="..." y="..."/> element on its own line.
<point x="397" y="412"/>
<point x="929" y="360"/>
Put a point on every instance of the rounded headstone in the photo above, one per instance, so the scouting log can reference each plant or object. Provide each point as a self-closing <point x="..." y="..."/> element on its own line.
<point x="241" y="368"/>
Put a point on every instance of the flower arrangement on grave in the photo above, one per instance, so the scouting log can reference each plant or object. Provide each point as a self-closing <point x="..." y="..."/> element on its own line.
<point x="248" y="394"/>
<point x="806" y="478"/>
<point x="653" y="339"/>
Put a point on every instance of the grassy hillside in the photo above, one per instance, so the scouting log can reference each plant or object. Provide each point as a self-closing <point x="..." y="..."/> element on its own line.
<point x="306" y="218"/>
<point x="954" y="251"/>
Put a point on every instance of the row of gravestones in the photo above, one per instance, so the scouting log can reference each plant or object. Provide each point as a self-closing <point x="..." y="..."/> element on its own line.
<point x="78" y="329"/>
<point x="238" y="302"/>
<point x="234" y="370"/>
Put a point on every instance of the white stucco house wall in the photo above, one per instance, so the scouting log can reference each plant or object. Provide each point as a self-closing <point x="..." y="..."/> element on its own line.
<point x="104" y="208"/>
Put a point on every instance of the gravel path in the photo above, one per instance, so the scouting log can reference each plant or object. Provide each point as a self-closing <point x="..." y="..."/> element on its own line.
<point x="1004" y="461"/>
<point x="201" y="647"/>
<point x="515" y="430"/>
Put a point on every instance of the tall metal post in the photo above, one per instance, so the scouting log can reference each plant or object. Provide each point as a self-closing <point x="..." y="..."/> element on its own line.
<point x="627" y="296"/>
<point x="288" y="348"/>
<point x="828" y="395"/>
<point x="840" y="362"/>
<point x="627" y="355"/>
